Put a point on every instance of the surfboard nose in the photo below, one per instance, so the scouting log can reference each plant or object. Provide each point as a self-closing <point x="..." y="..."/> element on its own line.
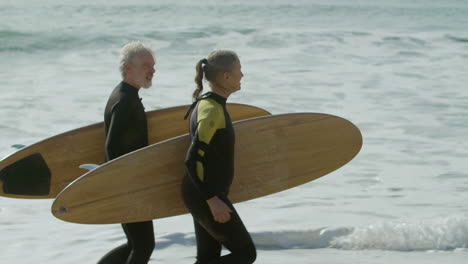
<point x="27" y="176"/>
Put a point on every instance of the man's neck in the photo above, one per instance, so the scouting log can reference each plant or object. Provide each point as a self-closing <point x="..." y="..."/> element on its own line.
<point x="132" y="83"/>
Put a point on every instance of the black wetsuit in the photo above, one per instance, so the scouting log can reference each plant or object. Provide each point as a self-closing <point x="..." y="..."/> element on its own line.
<point x="126" y="130"/>
<point x="210" y="171"/>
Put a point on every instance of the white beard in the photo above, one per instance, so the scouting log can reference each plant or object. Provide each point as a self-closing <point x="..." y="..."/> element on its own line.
<point x="147" y="84"/>
<point x="144" y="83"/>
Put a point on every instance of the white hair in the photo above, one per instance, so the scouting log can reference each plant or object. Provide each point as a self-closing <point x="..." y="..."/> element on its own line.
<point x="130" y="51"/>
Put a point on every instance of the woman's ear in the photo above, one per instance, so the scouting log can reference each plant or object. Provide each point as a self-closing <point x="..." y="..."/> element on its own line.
<point x="226" y="75"/>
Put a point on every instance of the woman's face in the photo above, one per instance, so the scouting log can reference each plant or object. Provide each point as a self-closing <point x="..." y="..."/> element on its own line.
<point x="233" y="79"/>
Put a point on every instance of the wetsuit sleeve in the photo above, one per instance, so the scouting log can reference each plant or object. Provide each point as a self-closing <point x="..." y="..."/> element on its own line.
<point x="120" y="118"/>
<point x="210" y="119"/>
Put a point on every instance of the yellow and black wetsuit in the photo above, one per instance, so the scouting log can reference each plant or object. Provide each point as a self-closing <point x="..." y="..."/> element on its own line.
<point x="126" y="131"/>
<point x="210" y="171"/>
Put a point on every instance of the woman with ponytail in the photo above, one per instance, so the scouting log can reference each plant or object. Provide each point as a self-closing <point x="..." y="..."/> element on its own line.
<point x="210" y="165"/>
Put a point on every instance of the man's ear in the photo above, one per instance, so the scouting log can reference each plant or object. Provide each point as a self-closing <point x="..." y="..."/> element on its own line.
<point x="226" y="75"/>
<point x="127" y="67"/>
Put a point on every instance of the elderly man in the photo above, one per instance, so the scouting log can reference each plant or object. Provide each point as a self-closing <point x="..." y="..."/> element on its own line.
<point x="126" y="131"/>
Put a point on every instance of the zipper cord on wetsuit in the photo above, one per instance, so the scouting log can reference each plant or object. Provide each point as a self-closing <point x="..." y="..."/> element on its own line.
<point x="195" y="103"/>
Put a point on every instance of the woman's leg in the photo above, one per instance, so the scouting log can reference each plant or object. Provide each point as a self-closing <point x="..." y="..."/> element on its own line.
<point x="210" y="234"/>
<point x="207" y="247"/>
<point x="141" y="237"/>
<point x="233" y="235"/>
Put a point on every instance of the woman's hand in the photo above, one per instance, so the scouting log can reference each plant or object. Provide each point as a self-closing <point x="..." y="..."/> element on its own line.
<point x="220" y="211"/>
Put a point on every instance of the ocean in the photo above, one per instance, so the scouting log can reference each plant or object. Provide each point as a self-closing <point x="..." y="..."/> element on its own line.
<point x="397" y="69"/>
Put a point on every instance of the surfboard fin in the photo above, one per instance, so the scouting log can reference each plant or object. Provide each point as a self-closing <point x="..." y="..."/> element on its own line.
<point x="89" y="166"/>
<point x="27" y="176"/>
<point x="18" y="146"/>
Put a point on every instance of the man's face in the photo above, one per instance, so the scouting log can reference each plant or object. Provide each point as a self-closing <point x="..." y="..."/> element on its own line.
<point x="141" y="70"/>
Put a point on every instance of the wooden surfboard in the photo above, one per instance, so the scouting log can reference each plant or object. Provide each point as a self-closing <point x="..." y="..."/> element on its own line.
<point x="272" y="154"/>
<point x="43" y="169"/>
